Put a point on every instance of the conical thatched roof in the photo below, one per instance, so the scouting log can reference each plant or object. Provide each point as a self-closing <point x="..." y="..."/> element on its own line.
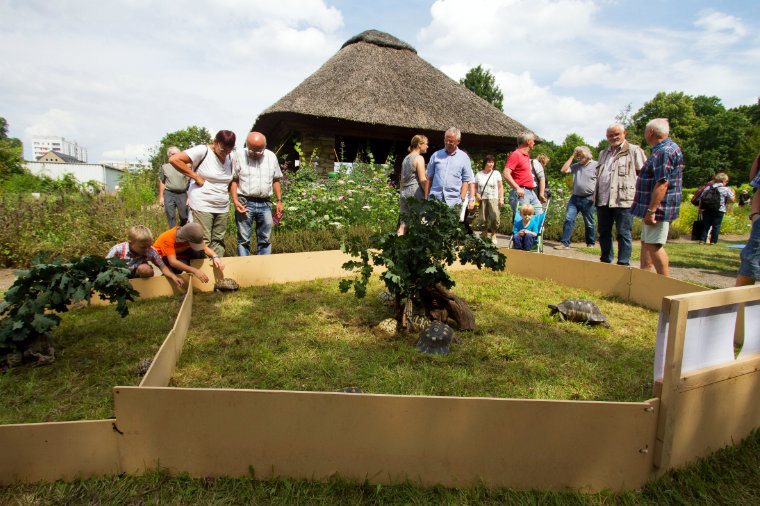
<point x="379" y="81"/>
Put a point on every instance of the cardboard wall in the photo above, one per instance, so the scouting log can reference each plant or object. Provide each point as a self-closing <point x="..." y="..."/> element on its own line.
<point x="526" y="444"/>
<point x="52" y="451"/>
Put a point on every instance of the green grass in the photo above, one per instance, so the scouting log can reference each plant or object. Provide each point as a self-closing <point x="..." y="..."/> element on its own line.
<point x="729" y="476"/>
<point x="96" y="350"/>
<point x="309" y="337"/>
<point x="716" y="258"/>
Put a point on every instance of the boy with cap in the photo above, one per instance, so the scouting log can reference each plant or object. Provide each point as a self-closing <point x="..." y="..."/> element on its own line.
<point x="137" y="252"/>
<point x="178" y="245"/>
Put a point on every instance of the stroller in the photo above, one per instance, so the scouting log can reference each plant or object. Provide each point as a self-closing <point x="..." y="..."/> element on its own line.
<point x="538" y="245"/>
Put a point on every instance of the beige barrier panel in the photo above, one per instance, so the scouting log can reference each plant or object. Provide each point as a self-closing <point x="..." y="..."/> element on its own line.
<point x="702" y="411"/>
<point x="599" y="276"/>
<point x="61" y="450"/>
<point x="526" y="444"/>
<point x="162" y="368"/>
<point x="648" y="288"/>
<point x="157" y="286"/>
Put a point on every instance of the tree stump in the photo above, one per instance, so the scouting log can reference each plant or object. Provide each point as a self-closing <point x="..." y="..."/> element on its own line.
<point x="440" y="304"/>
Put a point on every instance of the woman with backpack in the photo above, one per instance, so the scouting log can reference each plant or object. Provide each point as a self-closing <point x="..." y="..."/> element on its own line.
<point x="712" y="206"/>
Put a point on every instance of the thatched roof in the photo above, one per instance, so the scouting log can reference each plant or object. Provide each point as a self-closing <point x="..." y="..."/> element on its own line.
<point x="376" y="79"/>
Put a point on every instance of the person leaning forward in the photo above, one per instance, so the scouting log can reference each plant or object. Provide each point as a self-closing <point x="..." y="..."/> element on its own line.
<point x="618" y="167"/>
<point x="256" y="176"/>
<point x="178" y="245"/>
<point x="658" y="194"/>
<point x="172" y="191"/>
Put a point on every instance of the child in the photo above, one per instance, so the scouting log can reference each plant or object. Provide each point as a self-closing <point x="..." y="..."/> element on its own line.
<point x="137" y="251"/>
<point x="178" y="245"/>
<point x="526" y="228"/>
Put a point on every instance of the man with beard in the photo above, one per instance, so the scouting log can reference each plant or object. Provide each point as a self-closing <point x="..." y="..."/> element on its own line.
<point x="618" y="167"/>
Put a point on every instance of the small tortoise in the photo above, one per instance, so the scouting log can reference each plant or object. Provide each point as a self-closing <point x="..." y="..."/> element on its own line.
<point x="387" y="326"/>
<point x="143" y="366"/>
<point x="226" y="285"/>
<point x="350" y="390"/>
<point x="417" y="322"/>
<point x="436" y="339"/>
<point x="386" y="298"/>
<point x="579" y="310"/>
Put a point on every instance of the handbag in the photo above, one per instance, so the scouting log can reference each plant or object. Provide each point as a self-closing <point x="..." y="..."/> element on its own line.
<point x="696" y="228"/>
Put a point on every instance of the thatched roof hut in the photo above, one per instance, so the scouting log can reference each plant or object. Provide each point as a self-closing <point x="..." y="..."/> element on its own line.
<point x="377" y="91"/>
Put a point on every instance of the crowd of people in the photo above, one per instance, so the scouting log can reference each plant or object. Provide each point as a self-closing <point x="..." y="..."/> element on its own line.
<point x="199" y="184"/>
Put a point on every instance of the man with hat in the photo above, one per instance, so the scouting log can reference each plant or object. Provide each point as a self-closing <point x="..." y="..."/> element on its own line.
<point x="178" y="245"/>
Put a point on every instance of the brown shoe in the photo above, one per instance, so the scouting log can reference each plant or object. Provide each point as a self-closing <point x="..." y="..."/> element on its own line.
<point x="561" y="246"/>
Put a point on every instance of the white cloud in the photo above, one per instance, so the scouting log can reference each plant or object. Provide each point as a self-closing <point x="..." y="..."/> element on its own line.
<point x="54" y="122"/>
<point x="128" y="152"/>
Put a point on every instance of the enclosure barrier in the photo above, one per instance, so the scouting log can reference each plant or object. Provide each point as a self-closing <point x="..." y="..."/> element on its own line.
<point x="525" y="444"/>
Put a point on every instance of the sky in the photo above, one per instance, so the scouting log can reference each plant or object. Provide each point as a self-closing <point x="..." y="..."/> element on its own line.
<point x="117" y="75"/>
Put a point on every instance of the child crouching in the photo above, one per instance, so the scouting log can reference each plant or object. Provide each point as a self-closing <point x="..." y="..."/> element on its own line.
<point x="137" y="251"/>
<point x="526" y="229"/>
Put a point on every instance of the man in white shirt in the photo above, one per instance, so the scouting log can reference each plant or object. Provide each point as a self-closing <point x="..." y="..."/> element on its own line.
<point x="256" y="176"/>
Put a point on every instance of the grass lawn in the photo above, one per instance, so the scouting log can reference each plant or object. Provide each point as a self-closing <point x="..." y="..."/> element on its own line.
<point x="716" y="258"/>
<point x="309" y="336"/>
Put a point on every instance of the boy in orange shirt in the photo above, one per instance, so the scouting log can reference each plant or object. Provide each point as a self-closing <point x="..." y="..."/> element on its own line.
<point x="178" y="245"/>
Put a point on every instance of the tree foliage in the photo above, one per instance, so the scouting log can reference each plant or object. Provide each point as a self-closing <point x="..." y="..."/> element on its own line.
<point x="11" y="152"/>
<point x="183" y="139"/>
<point x="417" y="260"/>
<point x="481" y="82"/>
<point x="31" y="303"/>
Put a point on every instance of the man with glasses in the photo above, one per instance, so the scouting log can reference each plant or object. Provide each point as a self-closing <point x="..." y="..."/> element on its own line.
<point x="449" y="173"/>
<point x="256" y="176"/>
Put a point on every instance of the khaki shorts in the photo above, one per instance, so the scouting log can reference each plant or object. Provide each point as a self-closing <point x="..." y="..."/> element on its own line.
<point x="655" y="234"/>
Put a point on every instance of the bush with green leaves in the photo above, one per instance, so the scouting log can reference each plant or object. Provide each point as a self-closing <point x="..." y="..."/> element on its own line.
<point x="31" y="303"/>
<point x="415" y="263"/>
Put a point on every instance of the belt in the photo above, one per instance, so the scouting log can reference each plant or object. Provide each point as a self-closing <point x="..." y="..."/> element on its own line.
<point x="175" y="191"/>
<point x="527" y="188"/>
<point x="260" y="200"/>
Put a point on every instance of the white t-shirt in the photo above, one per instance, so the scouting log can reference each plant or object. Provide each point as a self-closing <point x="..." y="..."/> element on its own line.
<point x="255" y="177"/>
<point x="213" y="196"/>
<point x="492" y="191"/>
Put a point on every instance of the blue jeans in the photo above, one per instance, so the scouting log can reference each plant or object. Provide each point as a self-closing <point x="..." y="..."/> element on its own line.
<point x="586" y="208"/>
<point x="261" y="214"/>
<point x="750" y="255"/>
<point x="623" y="220"/>
<point x="524" y="242"/>
<point x="712" y="219"/>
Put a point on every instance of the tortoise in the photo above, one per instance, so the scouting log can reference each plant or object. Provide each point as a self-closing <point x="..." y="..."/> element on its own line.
<point x="350" y="390"/>
<point x="226" y="285"/>
<point x="436" y="339"/>
<point x="579" y="310"/>
<point x="387" y="326"/>
<point x="417" y="322"/>
<point x="143" y="366"/>
<point x="386" y="298"/>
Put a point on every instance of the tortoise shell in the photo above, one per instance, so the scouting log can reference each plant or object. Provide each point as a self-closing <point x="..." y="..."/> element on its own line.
<point x="143" y="366"/>
<point x="388" y="326"/>
<point x="386" y="298"/>
<point x="436" y="339"/>
<point x="350" y="390"/>
<point x="226" y="285"/>
<point x="579" y="310"/>
<point x="417" y="322"/>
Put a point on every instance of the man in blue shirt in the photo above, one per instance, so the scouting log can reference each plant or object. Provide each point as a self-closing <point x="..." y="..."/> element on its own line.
<point x="658" y="194"/>
<point x="449" y="173"/>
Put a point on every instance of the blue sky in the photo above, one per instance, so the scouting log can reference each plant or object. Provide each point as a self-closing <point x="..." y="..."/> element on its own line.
<point x="115" y="76"/>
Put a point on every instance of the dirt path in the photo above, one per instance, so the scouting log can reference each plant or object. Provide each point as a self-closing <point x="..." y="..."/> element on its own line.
<point x="711" y="278"/>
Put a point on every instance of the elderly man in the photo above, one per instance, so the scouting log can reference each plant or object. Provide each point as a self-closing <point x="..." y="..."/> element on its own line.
<point x="582" y="199"/>
<point x="449" y="173"/>
<point x="256" y="175"/>
<point x="618" y="167"/>
<point x="172" y="191"/>
<point x="518" y="174"/>
<point x="658" y="194"/>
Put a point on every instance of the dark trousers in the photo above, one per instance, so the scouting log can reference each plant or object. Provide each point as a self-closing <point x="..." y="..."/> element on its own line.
<point x="175" y="201"/>
<point x="623" y="220"/>
<point x="711" y="219"/>
<point x="524" y="242"/>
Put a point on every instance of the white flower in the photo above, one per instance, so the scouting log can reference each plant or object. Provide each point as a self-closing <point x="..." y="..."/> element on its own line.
<point x="365" y="207"/>
<point x="336" y="224"/>
<point x="292" y="208"/>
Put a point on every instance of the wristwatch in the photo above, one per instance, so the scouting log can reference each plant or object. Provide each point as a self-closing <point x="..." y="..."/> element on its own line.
<point x="649" y="211"/>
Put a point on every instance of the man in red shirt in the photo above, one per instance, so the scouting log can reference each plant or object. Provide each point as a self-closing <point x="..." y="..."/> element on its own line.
<point x="518" y="176"/>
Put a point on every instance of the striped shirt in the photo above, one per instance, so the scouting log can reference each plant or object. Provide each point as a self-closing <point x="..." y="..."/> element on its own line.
<point x="122" y="251"/>
<point x="664" y="164"/>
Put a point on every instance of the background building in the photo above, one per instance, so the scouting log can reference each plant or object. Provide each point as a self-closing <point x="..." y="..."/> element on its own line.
<point x="126" y="165"/>
<point x="41" y="144"/>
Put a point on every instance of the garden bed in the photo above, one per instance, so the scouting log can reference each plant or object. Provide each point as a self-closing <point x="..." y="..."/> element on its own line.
<point x="309" y="337"/>
<point x="96" y="350"/>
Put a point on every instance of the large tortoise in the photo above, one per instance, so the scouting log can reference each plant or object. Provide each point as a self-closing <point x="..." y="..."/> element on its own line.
<point x="226" y="285"/>
<point x="579" y="310"/>
<point x="436" y="339"/>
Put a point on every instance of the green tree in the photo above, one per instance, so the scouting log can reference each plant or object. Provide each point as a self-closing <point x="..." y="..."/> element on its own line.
<point x="481" y="82"/>
<point x="183" y="139"/>
<point x="11" y="153"/>
<point x="563" y="152"/>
